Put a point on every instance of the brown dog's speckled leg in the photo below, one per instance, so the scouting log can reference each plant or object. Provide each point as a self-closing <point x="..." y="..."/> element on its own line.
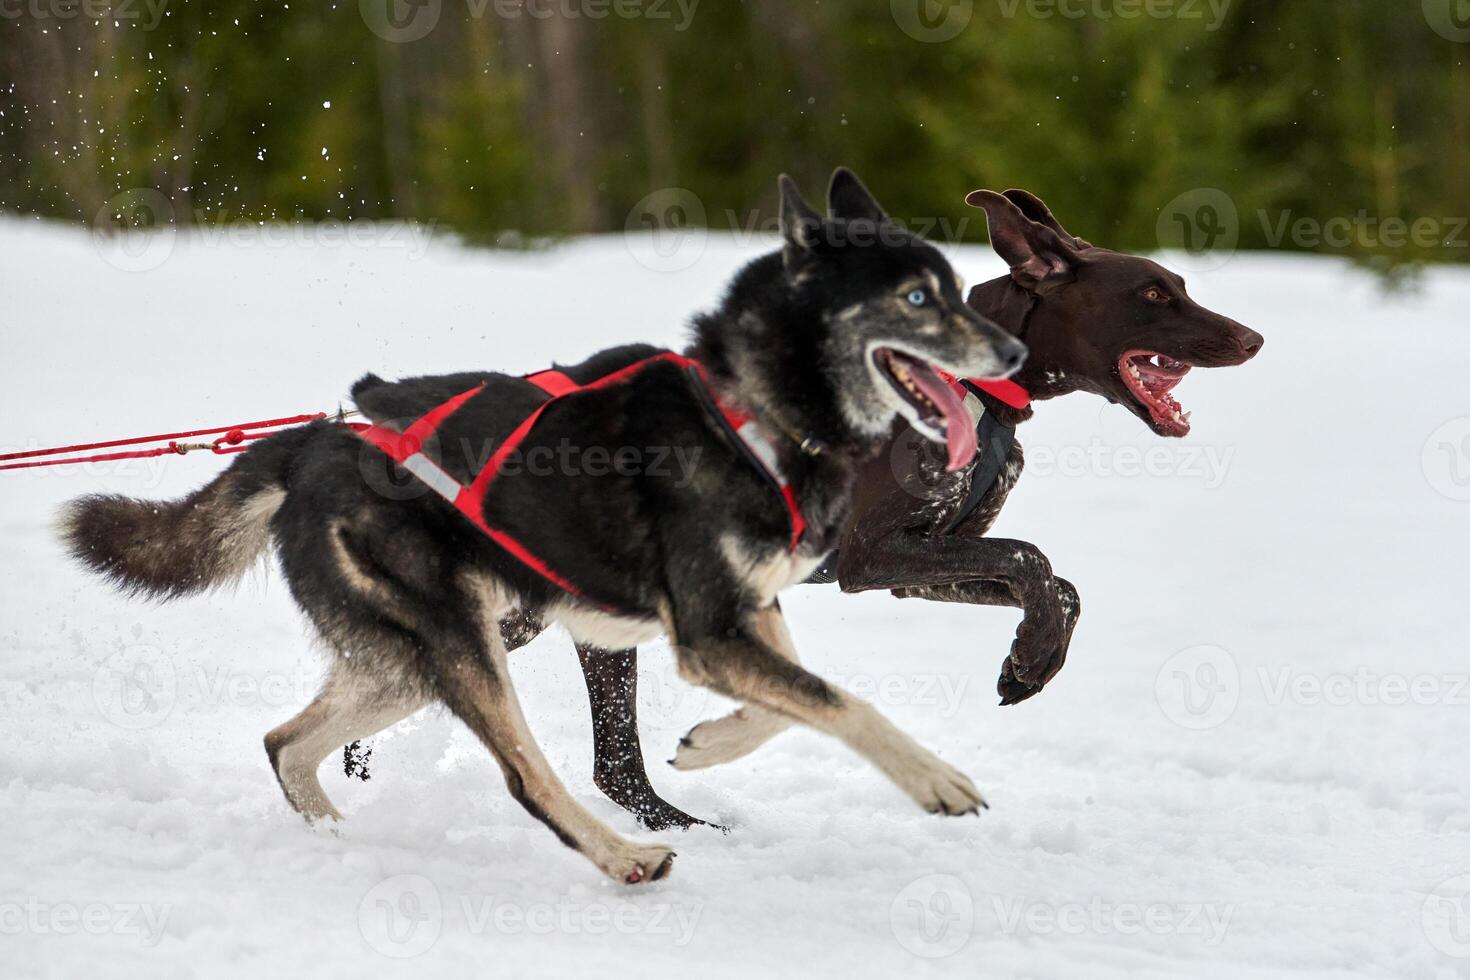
<point x="617" y="755"/>
<point x="617" y="767"/>
<point x="989" y="593"/>
<point x="987" y="571"/>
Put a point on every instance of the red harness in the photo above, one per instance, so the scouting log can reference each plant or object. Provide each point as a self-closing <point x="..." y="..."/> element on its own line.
<point x="405" y="448"/>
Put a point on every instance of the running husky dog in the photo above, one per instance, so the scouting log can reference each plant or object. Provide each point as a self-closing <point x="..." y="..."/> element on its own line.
<point x="819" y="347"/>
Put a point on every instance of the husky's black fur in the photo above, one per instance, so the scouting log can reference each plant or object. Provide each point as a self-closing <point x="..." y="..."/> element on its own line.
<point x="409" y="594"/>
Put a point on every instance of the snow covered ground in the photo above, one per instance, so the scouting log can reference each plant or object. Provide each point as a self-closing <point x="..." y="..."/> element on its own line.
<point x="1252" y="766"/>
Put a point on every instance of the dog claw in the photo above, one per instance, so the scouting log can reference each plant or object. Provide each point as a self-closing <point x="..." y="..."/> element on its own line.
<point x="639" y="873"/>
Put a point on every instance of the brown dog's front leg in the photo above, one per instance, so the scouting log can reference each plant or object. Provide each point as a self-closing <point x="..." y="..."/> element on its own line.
<point x="983" y="571"/>
<point x="617" y="767"/>
<point x="983" y="593"/>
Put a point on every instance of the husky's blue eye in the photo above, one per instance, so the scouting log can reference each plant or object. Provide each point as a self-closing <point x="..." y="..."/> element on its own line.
<point x="918" y="297"/>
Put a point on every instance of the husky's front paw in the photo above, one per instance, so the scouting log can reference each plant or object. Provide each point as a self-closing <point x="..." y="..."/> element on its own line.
<point x="939" y="787"/>
<point x="639" y="863"/>
<point x="713" y="743"/>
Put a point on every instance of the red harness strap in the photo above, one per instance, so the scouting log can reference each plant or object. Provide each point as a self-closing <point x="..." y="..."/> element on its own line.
<point x="405" y="448"/>
<point x="1004" y="390"/>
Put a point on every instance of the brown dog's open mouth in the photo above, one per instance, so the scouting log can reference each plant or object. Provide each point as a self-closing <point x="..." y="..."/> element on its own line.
<point x="936" y="409"/>
<point x="1151" y="378"/>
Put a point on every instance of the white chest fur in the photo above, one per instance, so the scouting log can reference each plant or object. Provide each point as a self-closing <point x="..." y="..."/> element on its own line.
<point x="766" y="573"/>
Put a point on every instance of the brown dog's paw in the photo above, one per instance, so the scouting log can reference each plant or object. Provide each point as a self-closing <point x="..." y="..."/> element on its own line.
<point x="1013" y="690"/>
<point x="1037" y="654"/>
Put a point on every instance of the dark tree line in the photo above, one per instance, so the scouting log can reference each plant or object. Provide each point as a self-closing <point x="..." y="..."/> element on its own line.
<point x="497" y="121"/>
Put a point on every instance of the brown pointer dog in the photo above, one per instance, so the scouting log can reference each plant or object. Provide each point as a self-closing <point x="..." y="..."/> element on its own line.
<point x="1116" y="325"/>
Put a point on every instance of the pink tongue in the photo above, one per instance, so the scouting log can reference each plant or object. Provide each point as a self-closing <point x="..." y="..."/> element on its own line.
<point x="959" y="431"/>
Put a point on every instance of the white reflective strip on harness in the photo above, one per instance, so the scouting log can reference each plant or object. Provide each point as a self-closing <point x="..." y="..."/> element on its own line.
<point x="975" y="406"/>
<point x="429" y="471"/>
<point x="755" y="439"/>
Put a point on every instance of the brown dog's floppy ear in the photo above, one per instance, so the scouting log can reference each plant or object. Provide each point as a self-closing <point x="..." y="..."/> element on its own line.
<point x="847" y="198"/>
<point x="800" y="225"/>
<point x="1035" y="208"/>
<point x="1039" y="258"/>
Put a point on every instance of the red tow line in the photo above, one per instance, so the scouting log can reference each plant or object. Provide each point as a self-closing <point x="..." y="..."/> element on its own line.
<point x="231" y="437"/>
<point x="229" y="441"/>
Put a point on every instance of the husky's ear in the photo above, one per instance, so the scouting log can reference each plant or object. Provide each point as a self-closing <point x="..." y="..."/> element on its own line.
<point x="1035" y="208"/>
<point x="1039" y="258"/>
<point x="847" y="198"/>
<point x="800" y="225"/>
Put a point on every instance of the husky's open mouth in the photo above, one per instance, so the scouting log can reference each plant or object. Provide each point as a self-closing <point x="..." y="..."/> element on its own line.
<point x="933" y="408"/>
<point x="1151" y="378"/>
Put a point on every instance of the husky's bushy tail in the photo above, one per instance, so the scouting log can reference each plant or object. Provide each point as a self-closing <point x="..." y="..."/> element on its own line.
<point x="166" y="549"/>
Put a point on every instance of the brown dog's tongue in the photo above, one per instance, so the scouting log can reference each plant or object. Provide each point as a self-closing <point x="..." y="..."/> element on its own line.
<point x="958" y="431"/>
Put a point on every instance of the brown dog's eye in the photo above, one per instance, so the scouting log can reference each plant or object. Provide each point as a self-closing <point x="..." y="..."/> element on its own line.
<point x="1155" y="295"/>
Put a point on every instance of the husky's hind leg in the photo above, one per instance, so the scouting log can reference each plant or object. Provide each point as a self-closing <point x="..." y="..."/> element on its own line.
<point x="350" y="707"/>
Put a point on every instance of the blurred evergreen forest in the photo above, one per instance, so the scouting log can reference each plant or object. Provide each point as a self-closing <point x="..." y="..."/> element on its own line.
<point x="497" y="122"/>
